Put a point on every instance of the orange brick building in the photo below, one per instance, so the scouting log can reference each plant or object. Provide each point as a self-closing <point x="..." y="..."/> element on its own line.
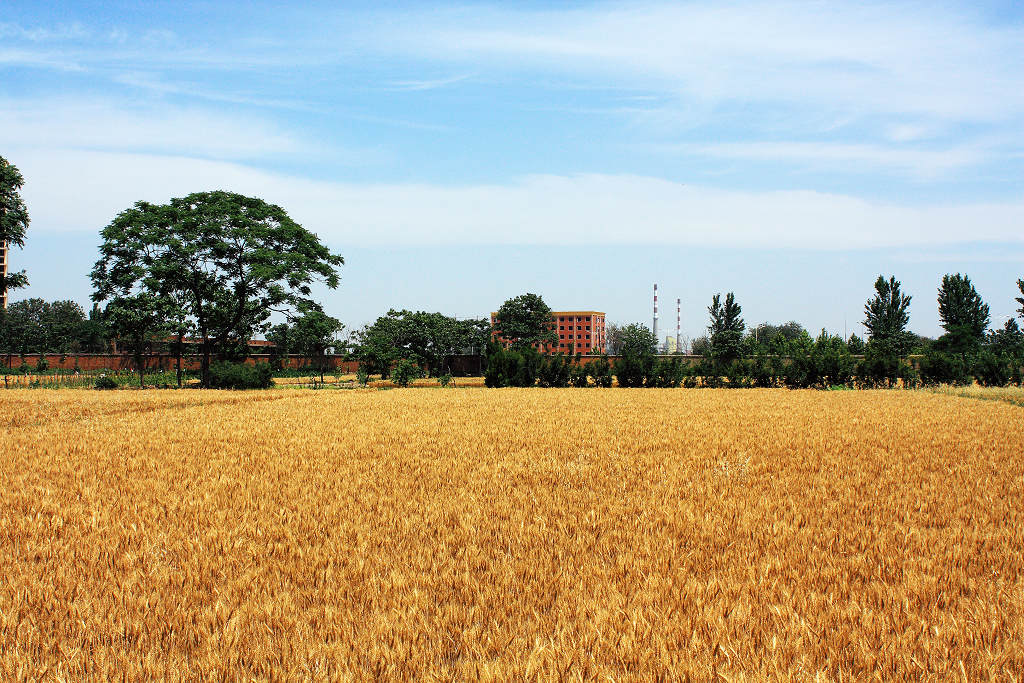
<point x="578" y="332"/>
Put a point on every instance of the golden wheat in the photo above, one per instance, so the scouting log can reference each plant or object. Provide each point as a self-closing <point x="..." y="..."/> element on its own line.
<point x="511" y="534"/>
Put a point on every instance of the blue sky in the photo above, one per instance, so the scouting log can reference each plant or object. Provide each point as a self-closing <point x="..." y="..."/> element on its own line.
<point x="460" y="155"/>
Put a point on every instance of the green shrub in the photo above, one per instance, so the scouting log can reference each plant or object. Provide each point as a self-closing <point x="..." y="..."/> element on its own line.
<point x="507" y="368"/>
<point x="43" y="365"/>
<point x="938" y="367"/>
<point x="362" y="375"/>
<point x="601" y="370"/>
<point x="445" y="379"/>
<point x="554" y="371"/>
<point x="227" y="375"/>
<point x="578" y="375"/>
<point x="104" y="382"/>
<point x="635" y="370"/>
<point x="404" y="372"/>
<point x="992" y="369"/>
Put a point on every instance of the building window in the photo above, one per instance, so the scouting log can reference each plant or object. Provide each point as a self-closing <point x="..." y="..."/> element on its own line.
<point x="570" y="336"/>
<point x="561" y="327"/>
<point x="561" y="336"/>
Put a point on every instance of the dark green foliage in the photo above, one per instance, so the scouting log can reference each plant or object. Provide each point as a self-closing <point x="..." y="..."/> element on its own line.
<point x="105" y="383"/>
<point x="767" y="336"/>
<point x="1020" y="299"/>
<point x="855" y="345"/>
<point x="636" y="340"/>
<point x="510" y="368"/>
<point x="226" y="261"/>
<point x="600" y="370"/>
<point x="35" y="325"/>
<point x="404" y="372"/>
<point x="428" y="339"/>
<point x="312" y="335"/>
<point x="444" y="380"/>
<point x="993" y="369"/>
<point x="940" y="367"/>
<point x="525" y="321"/>
<point x="14" y="220"/>
<point x="635" y="370"/>
<point x="579" y="375"/>
<point x="1008" y="341"/>
<point x="880" y="365"/>
<point x="886" y="316"/>
<point x="280" y="336"/>
<point x="964" y="315"/>
<point x="42" y="365"/>
<point x="668" y="374"/>
<point x="555" y="371"/>
<point x="700" y="346"/>
<point x="766" y="370"/>
<point x="726" y="328"/>
<point x="225" y="375"/>
<point x="137" y="320"/>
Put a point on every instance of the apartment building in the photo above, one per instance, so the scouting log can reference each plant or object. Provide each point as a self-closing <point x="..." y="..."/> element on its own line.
<point x="578" y="332"/>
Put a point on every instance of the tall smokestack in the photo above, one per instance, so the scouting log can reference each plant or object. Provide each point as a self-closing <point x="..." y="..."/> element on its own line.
<point x="656" y="310"/>
<point x="679" y="302"/>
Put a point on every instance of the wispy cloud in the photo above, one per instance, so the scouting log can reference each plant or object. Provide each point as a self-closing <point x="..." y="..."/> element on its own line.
<point x="429" y="84"/>
<point x="74" y="190"/>
<point x="118" y="125"/>
<point x="915" y="162"/>
<point x="870" y="57"/>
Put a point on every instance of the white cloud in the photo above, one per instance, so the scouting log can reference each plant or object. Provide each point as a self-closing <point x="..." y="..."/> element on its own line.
<point x="111" y="125"/>
<point x="930" y="60"/>
<point x="920" y="163"/>
<point x="426" y="84"/>
<point x="83" y="190"/>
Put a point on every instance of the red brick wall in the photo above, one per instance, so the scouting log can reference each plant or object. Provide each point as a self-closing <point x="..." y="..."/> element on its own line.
<point x="112" y="361"/>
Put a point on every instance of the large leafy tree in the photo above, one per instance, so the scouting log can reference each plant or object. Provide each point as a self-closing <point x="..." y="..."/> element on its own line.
<point x="139" y="320"/>
<point x="637" y="340"/>
<point x="13" y="221"/>
<point x="312" y="334"/>
<point x="1008" y="341"/>
<point x="525" y="321"/>
<point x="427" y="339"/>
<point x="963" y="314"/>
<point x="726" y="329"/>
<point x="229" y="261"/>
<point x="886" y="315"/>
<point x="1020" y="299"/>
<point x="38" y="326"/>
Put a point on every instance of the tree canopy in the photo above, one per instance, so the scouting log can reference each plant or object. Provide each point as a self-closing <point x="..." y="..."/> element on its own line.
<point x="1020" y="299"/>
<point x="726" y="329"/>
<point x="313" y="334"/>
<point x="963" y="314"/>
<point x="227" y="260"/>
<point x="524" y="321"/>
<point x="14" y="220"/>
<point x="427" y="339"/>
<point x="38" y="326"/>
<point x="886" y="315"/>
<point x="637" y="340"/>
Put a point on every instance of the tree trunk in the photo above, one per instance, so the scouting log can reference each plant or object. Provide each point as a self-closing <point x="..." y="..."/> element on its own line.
<point x="139" y="364"/>
<point x="178" y="358"/>
<point x="206" y="363"/>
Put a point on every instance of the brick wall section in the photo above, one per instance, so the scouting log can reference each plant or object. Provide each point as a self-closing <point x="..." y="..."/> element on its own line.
<point x="113" y="361"/>
<point x="460" y="365"/>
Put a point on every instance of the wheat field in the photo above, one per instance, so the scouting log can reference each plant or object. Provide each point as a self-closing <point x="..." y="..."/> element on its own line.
<point x="510" y="534"/>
